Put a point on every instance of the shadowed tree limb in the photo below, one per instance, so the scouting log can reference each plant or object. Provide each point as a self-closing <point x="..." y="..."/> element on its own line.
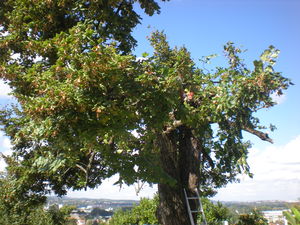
<point x="263" y="136"/>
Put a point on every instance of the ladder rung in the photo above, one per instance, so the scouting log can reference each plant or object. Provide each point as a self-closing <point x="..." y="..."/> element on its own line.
<point x="195" y="211"/>
<point x="192" y="198"/>
<point x="200" y="210"/>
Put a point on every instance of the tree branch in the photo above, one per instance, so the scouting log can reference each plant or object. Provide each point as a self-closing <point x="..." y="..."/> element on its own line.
<point x="176" y="123"/>
<point x="139" y="187"/>
<point x="81" y="167"/>
<point x="263" y="136"/>
<point x="208" y="158"/>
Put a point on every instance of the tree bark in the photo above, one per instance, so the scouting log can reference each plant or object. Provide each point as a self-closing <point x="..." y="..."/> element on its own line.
<point x="180" y="160"/>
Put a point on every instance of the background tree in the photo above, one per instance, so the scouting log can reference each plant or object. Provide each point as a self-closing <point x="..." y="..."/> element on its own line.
<point x="96" y="212"/>
<point x="254" y="218"/>
<point x="19" y="207"/>
<point x="217" y="213"/>
<point x="88" y="109"/>
<point x="144" y="213"/>
<point x="60" y="216"/>
<point x="53" y="216"/>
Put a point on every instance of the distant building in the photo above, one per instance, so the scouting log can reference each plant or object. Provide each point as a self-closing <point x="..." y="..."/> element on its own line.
<point x="110" y="209"/>
<point x="89" y="207"/>
<point x="275" y="217"/>
<point x="80" y="222"/>
<point x="78" y="218"/>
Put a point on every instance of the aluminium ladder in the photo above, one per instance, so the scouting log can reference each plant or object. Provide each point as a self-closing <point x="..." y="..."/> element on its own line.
<point x="191" y="211"/>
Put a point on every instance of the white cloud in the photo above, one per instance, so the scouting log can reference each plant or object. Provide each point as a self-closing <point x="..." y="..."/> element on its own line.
<point x="141" y="59"/>
<point x="109" y="191"/>
<point x="279" y="99"/>
<point x="106" y="190"/>
<point x="276" y="175"/>
<point x="5" y="148"/>
<point x="6" y="143"/>
<point x="277" y="162"/>
<point x="4" y="90"/>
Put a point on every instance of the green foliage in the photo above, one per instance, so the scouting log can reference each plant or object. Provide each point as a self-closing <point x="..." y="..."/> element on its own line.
<point x="78" y="44"/>
<point x="96" y="212"/>
<point x="40" y="217"/>
<point x="254" y="218"/>
<point x="74" y="136"/>
<point x="52" y="216"/>
<point x="19" y="207"/>
<point x="144" y="213"/>
<point x="216" y="214"/>
<point x="293" y="217"/>
<point x="37" y="21"/>
<point x="60" y="216"/>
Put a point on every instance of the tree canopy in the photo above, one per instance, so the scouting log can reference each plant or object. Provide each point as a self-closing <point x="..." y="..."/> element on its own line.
<point x="88" y="108"/>
<point x="96" y="113"/>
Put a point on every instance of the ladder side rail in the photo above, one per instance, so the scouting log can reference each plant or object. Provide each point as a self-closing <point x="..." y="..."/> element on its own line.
<point x="201" y="207"/>
<point x="189" y="208"/>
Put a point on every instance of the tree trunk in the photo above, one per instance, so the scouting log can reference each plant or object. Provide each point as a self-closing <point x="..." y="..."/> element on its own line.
<point x="180" y="159"/>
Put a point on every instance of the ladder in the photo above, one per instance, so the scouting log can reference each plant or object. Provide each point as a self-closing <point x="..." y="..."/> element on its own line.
<point x="191" y="211"/>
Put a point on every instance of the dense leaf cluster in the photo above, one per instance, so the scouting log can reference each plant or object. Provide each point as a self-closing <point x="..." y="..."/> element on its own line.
<point x="33" y="21"/>
<point x="51" y="51"/>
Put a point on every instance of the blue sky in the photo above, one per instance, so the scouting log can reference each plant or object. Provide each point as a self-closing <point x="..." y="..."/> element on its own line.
<point x="204" y="26"/>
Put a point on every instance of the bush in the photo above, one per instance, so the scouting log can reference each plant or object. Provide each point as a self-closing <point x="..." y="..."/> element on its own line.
<point x="254" y="218"/>
<point x="144" y="213"/>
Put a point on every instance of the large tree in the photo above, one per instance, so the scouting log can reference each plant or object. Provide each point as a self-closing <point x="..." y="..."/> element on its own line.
<point x="89" y="109"/>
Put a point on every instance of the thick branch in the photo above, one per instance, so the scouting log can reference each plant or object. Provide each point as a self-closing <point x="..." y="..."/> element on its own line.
<point x="263" y="136"/>
<point x="119" y="8"/>
<point x="81" y="167"/>
<point x="208" y="158"/>
<point x="139" y="187"/>
<point x="91" y="159"/>
<point x="204" y="153"/>
<point x="176" y="124"/>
